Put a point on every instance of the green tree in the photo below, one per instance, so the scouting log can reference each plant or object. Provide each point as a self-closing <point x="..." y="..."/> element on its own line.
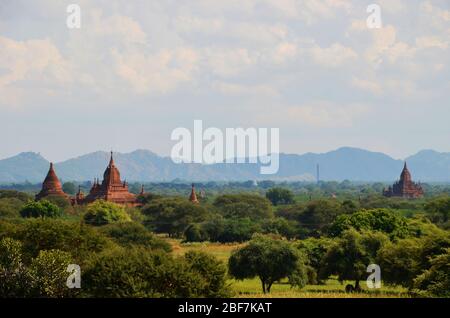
<point x="211" y="270"/>
<point x="69" y="188"/>
<point x="102" y="212"/>
<point x="173" y="215"/>
<point x="14" y="276"/>
<point x="383" y="220"/>
<point x="435" y="281"/>
<point x="400" y="262"/>
<point x="129" y="234"/>
<point x="244" y="206"/>
<point x="49" y="272"/>
<point x="10" y="207"/>
<point x="267" y="258"/>
<point x="349" y="257"/>
<point x="280" y="196"/>
<point x="319" y="215"/>
<point x="138" y="272"/>
<point x="439" y="209"/>
<point x="42" y="208"/>
<point x="48" y="234"/>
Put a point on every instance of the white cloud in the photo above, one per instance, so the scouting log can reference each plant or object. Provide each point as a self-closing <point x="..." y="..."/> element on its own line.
<point x="155" y="73"/>
<point x="332" y="56"/>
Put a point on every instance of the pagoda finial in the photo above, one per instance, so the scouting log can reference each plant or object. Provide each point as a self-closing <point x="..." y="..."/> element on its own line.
<point x="111" y="160"/>
<point x="142" y="190"/>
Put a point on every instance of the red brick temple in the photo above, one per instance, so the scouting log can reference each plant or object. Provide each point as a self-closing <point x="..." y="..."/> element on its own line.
<point x="51" y="187"/>
<point x="111" y="189"/>
<point x="193" y="196"/>
<point x="405" y="187"/>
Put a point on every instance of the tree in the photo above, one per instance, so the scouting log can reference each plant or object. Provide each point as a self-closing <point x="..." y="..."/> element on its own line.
<point x="435" y="281"/>
<point x="400" y="261"/>
<point x="10" y="207"/>
<point x="349" y="257"/>
<point x="103" y="212"/>
<point x="406" y="259"/>
<point x="267" y="258"/>
<point x="383" y="220"/>
<point x="14" y="276"/>
<point x="439" y="209"/>
<point x="69" y="188"/>
<point x="48" y="234"/>
<point x="280" y="196"/>
<point x="318" y="215"/>
<point x="211" y="270"/>
<point x="315" y="250"/>
<point x="49" y="272"/>
<point x="42" y="208"/>
<point x="128" y="234"/>
<point x="173" y="215"/>
<point x="243" y="206"/>
<point x="139" y="272"/>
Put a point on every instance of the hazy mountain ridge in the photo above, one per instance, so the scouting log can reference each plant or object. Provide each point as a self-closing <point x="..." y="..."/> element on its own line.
<point x="143" y="165"/>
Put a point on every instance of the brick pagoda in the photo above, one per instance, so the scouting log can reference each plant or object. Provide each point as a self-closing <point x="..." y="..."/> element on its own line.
<point x="51" y="187"/>
<point x="405" y="187"/>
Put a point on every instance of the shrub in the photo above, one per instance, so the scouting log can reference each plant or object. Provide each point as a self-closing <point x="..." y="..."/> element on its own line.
<point x="130" y="233"/>
<point x="43" y="208"/>
<point x="102" y="212"/>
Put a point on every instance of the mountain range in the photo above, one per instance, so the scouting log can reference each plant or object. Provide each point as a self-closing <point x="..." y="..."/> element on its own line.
<point x="143" y="165"/>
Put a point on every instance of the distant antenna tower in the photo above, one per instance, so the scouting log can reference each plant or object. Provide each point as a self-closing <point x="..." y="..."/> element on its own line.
<point x="318" y="173"/>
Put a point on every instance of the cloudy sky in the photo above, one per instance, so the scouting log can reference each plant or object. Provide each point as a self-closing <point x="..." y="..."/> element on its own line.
<point x="137" y="69"/>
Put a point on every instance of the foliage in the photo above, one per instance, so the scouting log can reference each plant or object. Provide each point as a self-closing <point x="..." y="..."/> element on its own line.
<point x="42" y="208"/>
<point x="102" y="212"/>
<point x="269" y="259"/>
<point x="439" y="209"/>
<point x="435" y="281"/>
<point x="173" y="215"/>
<point x="69" y="188"/>
<point x="138" y="272"/>
<point x="383" y="220"/>
<point x="49" y="272"/>
<point x="250" y="206"/>
<point x="46" y="276"/>
<point x="319" y="215"/>
<point x="129" y="234"/>
<point x="48" y="234"/>
<point x="10" y="207"/>
<point x="400" y="262"/>
<point x="280" y="196"/>
<point x="349" y="257"/>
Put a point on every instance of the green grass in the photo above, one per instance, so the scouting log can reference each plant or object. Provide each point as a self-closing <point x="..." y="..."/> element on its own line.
<point x="252" y="287"/>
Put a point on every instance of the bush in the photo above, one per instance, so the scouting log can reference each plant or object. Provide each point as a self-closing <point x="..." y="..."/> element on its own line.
<point x="43" y="208"/>
<point x="102" y="212"/>
<point x="49" y="272"/>
<point x="138" y="272"/>
<point x="130" y="233"/>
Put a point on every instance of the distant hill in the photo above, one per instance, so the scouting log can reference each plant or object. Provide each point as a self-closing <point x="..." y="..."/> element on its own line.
<point x="143" y="165"/>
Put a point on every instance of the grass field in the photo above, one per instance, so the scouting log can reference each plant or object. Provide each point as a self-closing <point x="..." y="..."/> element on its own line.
<point x="252" y="287"/>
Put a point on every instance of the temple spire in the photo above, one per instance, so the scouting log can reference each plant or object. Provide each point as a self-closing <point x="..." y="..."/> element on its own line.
<point x="193" y="196"/>
<point x="111" y="160"/>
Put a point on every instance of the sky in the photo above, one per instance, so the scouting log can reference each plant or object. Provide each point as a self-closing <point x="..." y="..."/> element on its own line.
<point x="136" y="70"/>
